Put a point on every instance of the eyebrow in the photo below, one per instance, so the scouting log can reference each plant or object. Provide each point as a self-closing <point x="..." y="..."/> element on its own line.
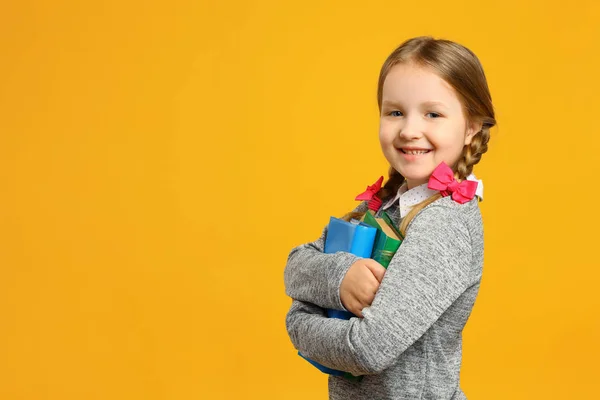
<point x="426" y="104"/>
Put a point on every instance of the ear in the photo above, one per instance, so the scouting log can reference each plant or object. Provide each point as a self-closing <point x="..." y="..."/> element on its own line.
<point x="472" y="129"/>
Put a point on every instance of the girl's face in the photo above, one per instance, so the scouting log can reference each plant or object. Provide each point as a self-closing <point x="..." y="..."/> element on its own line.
<point x="421" y="112"/>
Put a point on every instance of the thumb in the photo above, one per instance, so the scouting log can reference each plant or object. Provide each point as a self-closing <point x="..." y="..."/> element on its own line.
<point x="376" y="269"/>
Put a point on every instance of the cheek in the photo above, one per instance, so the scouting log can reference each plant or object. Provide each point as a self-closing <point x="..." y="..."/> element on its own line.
<point x="383" y="139"/>
<point x="386" y="135"/>
<point x="449" y="150"/>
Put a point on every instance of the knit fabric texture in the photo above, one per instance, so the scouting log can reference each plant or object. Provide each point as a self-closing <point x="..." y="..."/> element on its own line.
<point x="408" y="345"/>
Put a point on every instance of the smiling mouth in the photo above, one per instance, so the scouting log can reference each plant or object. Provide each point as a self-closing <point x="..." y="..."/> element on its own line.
<point x="414" y="152"/>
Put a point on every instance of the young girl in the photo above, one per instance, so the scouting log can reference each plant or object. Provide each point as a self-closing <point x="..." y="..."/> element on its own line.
<point x="435" y="118"/>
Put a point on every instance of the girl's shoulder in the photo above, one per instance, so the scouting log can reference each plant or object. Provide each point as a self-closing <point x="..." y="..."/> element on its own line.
<point x="450" y="211"/>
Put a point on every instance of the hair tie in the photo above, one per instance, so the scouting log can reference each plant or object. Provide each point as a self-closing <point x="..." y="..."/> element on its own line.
<point x="442" y="179"/>
<point x="370" y="195"/>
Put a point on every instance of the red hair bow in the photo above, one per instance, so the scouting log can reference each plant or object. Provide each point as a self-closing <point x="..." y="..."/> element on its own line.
<point x="370" y="195"/>
<point x="442" y="179"/>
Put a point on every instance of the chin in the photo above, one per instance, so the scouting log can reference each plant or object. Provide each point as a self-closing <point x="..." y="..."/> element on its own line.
<point x="416" y="177"/>
<point x="411" y="173"/>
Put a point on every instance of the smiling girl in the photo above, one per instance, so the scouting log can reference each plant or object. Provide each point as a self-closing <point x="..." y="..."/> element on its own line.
<point x="435" y="116"/>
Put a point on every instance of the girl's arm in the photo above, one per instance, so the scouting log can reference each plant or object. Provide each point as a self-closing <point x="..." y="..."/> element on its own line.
<point x="430" y="270"/>
<point x="315" y="277"/>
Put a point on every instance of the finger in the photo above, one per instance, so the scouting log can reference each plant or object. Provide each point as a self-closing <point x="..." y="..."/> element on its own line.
<point x="370" y="285"/>
<point x="376" y="269"/>
<point x="364" y="305"/>
<point x="368" y="291"/>
<point x="355" y="306"/>
<point x="366" y="301"/>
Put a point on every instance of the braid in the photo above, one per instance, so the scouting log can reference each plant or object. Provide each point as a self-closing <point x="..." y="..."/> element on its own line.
<point x="387" y="191"/>
<point x="391" y="187"/>
<point x="472" y="153"/>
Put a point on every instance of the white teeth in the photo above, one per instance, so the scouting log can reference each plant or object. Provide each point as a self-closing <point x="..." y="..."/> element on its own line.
<point x="415" y="152"/>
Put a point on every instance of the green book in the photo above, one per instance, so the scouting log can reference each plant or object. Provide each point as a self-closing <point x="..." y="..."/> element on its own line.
<point x="389" y="221"/>
<point x="387" y="241"/>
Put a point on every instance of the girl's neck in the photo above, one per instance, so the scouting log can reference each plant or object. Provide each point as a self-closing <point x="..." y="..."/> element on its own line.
<point x="411" y="184"/>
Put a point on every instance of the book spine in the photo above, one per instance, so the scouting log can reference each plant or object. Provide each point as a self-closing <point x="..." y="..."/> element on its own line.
<point x="362" y="243"/>
<point x="383" y="257"/>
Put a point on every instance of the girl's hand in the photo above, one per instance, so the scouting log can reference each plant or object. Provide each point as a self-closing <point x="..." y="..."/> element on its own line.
<point x="360" y="284"/>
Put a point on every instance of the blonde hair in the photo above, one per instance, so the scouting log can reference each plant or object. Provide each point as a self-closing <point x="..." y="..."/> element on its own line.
<point x="461" y="69"/>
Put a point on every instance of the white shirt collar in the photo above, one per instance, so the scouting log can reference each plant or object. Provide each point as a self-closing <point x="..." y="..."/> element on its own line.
<point x="408" y="198"/>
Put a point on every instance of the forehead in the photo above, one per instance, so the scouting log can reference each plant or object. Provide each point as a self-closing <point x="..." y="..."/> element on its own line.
<point x="416" y="84"/>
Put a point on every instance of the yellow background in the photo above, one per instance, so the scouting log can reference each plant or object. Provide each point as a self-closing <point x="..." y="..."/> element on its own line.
<point x="159" y="160"/>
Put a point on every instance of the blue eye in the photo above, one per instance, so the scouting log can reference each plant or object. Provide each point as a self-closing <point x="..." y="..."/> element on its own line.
<point x="399" y="114"/>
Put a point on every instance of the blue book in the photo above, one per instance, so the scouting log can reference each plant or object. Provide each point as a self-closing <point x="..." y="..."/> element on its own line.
<point x="353" y="237"/>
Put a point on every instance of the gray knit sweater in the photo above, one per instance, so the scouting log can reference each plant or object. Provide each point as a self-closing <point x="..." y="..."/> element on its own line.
<point x="409" y="343"/>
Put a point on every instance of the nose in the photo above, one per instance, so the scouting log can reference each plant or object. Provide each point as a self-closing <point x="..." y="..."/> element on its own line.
<point x="410" y="129"/>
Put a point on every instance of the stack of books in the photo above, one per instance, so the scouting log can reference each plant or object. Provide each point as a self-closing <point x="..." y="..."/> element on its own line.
<point x="371" y="237"/>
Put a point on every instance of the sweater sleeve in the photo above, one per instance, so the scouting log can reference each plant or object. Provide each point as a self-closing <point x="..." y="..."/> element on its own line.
<point x="430" y="270"/>
<point x="313" y="276"/>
